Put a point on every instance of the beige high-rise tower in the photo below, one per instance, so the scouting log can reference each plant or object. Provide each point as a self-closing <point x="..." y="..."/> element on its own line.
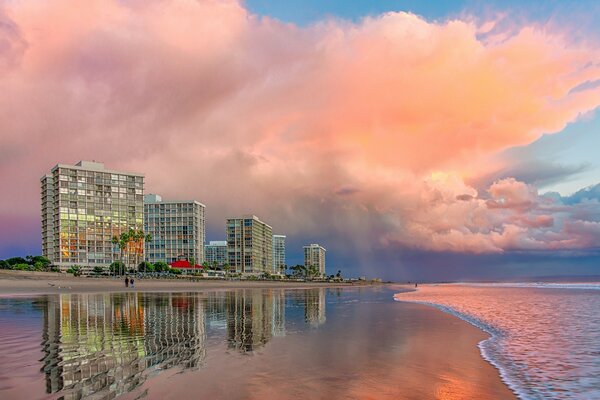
<point x="83" y="207"/>
<point x="314" y="254"/>
<point x="249" y="245"/>
<point x="177" y="229"/>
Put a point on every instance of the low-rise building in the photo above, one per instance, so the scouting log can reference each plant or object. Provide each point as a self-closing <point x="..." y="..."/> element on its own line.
<point x="215" y="253"/>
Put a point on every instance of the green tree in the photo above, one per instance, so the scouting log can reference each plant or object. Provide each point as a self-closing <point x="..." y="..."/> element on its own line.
<point x="116" y="267"/>
<point x="121" y="241"/>
<point x="4" y="265"/>
<point x="16" y="260"/>
<point x="39" y="266"/>
<point x="226" y="268"/>
<point x="312" y="271"/>
<point x="98" y="270"/>
<point x="146" y="266"/>
<point x="161" y="266"/>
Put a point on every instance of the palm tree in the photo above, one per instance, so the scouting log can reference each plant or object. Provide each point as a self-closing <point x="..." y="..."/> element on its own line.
<point x="138" y="238"/>
<point x="122" y="241"/>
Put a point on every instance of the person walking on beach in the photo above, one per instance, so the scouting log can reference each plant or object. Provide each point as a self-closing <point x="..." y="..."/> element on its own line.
<point x="126" y="281"/>
<point x="416" y="284"/>
<point x="131" y="282"/>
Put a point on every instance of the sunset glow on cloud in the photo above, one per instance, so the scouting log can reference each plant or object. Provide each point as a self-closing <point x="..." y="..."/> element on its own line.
<point x="373" y="132"/>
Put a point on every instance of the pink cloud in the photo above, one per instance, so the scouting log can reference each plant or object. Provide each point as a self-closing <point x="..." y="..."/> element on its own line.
<point x="249" y="114"/>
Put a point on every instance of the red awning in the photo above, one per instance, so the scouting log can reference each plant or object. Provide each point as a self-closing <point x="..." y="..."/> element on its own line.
<point x="183" y="264"/>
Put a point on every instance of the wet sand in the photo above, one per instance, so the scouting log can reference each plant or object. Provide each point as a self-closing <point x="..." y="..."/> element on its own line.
<point x="23" y="282"/>
<point x="364" y="350"/>
<point x="432" y="355"/>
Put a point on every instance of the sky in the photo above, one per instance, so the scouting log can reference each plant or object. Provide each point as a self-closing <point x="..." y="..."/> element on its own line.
<point x="413" y="140"/>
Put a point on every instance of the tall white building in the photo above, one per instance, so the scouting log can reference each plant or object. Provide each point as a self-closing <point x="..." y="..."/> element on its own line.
<point x="314" y="254"/>
<point x="279" y="254"/>
<point x="249" y="245"/>
<point x="83" y="207"/>
<point x="216" y="252"/>
<point x="177" y="229"/>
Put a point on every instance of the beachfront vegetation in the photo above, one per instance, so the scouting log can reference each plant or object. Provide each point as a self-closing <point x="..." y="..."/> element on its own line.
<point x="160" y="266"/>
<point x="29" y="263"/>
<point x="75" y="270"/>
<point x="131" y="243"/>
<point x="146" y="266"/>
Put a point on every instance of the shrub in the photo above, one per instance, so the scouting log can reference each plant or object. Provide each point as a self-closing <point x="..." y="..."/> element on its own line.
<point x="145" y="266"/>
<point x="75" y="270"/>
<point x="98" y="270"/>
<point x="161" y="266"/>
<point x="23" y="267"/>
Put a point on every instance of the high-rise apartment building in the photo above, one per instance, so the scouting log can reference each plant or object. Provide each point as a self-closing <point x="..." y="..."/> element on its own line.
<point x="177" y="229"/>
<point x="249" y="245"/>
<point x="278" y="254"/>
<point x="314" y="254"/>
<point x="215" y="252"/>
<point x="83" y="207"/>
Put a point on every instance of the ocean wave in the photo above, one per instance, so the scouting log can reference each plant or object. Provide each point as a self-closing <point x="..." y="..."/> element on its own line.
<point x="486" y="346"/>
<point x="541" y="285"/>
<point x="544" y="343"/>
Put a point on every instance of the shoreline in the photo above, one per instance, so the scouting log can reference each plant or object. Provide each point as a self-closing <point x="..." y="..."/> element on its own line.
<point x="464" y="371"/>
<point x="13" y="283"/>
<point x="485" y="329"/>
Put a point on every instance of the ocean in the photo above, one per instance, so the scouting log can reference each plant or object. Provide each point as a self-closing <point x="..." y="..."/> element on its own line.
<point x="544" y="337"/>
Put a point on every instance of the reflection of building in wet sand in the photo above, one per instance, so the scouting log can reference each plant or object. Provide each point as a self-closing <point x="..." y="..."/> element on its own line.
<point x="278" y="323"/>
<point x="104" y="345"/>
<point x="314" y="309"/>
<point x="254" y="316"/>
<point x="175" y="337"/>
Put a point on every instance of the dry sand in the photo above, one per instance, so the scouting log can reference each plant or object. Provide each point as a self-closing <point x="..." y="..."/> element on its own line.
<point x="24" y="282"/>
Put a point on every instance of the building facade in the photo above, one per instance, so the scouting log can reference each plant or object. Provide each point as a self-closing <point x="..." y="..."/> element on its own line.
<point x="215" y="253"/>
<point x="177" y="229"/>
<point x="83" y="207"/>
<point x="314" y="254"/>
<point x="249" y="245"/>
<point x="279" y="254"/>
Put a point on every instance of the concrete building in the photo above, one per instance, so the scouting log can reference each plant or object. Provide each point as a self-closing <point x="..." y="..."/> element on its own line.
<point x="249" y="245"/>
<point x="83" y="207"/>
<point x="177" y="229"/>
<point x="279" y="254"/>
<point x="314" y="254"/>
<point x="216" y="252"/>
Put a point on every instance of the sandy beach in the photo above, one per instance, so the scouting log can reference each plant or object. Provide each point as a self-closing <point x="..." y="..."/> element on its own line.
<point x="395" y="350"/>
<point x="24" y="282"/>
<point x="438" y="359"/>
